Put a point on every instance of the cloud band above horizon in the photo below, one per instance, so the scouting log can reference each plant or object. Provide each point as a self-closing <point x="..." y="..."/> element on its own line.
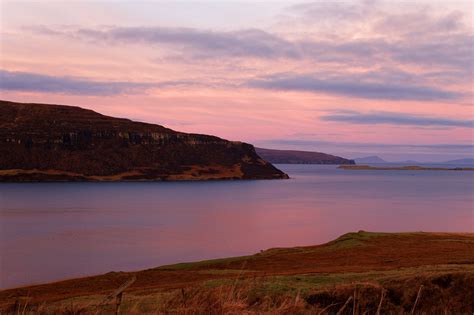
<point x="404" y="69"/>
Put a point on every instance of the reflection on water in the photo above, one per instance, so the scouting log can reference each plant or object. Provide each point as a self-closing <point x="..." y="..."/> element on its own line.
<point x="52" y="231"/>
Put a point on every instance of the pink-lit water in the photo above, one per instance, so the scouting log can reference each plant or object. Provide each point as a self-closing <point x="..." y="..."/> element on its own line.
<point x="53" y="231"/>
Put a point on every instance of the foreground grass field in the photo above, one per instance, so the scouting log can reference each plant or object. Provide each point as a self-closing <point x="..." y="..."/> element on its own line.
<point x="358" y="273"/>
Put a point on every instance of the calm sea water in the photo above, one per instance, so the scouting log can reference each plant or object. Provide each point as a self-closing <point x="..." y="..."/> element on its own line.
<point x="53" y="231"/>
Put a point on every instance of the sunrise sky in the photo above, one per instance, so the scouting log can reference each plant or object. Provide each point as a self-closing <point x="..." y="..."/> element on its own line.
<point x="352" y="78"/>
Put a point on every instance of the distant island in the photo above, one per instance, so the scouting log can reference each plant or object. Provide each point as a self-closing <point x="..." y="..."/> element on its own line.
<point x="373" y="159"/>
<point x="300" y="157"/>
<point x="460" y="161"/>
<point x="41" y="142"/>
<point x="403" y="168"/>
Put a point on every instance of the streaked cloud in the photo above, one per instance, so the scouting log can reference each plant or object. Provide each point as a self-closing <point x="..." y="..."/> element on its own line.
<point x="327" y="11"/>
<point x="410" y="19"/>
<point x="353" y="85"/>
<point x="415" y="33"/>
<point x="375" y="118"/>
<point x="32" y="82"/>
<point x="263" y="44"/>
<point x="374" y="85"/>
<point x="197" y="42"/>
<point x="370" y="34"/>
<point x="453" y="50"/>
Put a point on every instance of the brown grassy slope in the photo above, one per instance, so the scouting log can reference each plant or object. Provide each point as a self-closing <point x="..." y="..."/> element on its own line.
<point x="359" y="256"/>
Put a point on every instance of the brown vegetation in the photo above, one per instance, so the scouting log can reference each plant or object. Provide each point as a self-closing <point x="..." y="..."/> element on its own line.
<point x="423" y="272"/>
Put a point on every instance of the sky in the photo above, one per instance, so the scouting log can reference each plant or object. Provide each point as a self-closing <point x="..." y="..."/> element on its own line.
<point x="352" y="78"/>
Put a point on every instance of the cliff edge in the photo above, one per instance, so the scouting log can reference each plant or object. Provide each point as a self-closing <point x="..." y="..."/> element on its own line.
<point x="40" y="142"/>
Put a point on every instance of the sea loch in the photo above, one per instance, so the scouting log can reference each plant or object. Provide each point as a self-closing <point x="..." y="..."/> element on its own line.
<point x="53" y="231"/>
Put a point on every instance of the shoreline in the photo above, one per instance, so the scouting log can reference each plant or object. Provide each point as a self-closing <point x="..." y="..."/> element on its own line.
<point x="59" y="176"/>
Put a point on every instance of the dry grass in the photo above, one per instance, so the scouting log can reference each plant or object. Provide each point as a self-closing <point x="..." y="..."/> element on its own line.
<point x="353" y="271"/>
<point x="443" y="293"/>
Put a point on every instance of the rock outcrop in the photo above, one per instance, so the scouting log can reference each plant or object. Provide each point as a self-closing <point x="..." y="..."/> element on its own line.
<point x="41" y="142"/>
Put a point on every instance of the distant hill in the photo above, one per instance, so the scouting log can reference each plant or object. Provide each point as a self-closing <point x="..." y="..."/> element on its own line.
<point x="407" y="162"/>
<point x="369" y="159"/>
<point x="41" y="142"/>
<point x="300" y="157"/>
<point x="377" y="160"/>
<point x="459" y="161"/>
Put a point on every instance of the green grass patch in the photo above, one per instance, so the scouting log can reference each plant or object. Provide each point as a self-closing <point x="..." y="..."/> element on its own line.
<point x="310" y="282"/>
<point x="354" y="239"/>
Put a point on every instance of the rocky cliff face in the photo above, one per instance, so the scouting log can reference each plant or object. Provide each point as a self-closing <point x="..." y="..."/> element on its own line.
<point x="54" y="142"/>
